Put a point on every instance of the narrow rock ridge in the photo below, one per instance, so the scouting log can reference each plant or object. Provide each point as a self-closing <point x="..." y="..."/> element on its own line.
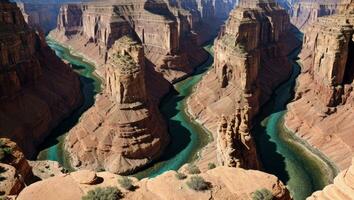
<point x="37" y="90"/>
<point x="250" y="61"/>
<point x="341" y="189"/>
<point x="225" y="183"/>
<point x="124" y="130"/>
<point x="322" y="112"/>
<point x="308" y="11"/>
<point x="169" y="31"/>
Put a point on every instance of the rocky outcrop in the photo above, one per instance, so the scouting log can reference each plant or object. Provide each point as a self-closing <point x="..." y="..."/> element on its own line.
<point x="250" y="61"/>
<point x="322" y="112"/>
<point x="124" y="130"/>
<point x="225" y="183"/>
<point x="308" y="11"/>
<point x="341" y="189"/>
<point x="15" y="172"/>
<point x="40" y="16"/>
<point x="37" y="90"/>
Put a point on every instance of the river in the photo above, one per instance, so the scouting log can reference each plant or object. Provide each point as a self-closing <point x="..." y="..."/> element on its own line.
<point x="282" y="154"/>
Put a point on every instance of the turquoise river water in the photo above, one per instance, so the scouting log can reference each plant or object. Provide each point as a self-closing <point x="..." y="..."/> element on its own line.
<point x="281" y="153"/>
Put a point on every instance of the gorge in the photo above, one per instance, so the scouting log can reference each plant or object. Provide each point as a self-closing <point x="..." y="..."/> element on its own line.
<point x="155" y="96"/>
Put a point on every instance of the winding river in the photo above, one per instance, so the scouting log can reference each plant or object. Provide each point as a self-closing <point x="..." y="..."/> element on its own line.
<point x="293" y="161"/>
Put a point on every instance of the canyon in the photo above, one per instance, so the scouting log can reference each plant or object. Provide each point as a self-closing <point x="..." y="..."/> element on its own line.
<point x="250" y="62"/>
<point x="321" y="112"/>
<point x="37" y="90"/>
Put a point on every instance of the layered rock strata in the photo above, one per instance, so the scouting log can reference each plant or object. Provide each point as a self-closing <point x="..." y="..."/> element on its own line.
<point x="308" y="11"/>
<point x="124" y="130"/>
<point x="37" y="90"/>
<point x="250" y="61"/>
<point x="165" y="31"/>
<point x="341" y="189"/>
<point x="40" y="16"/>
<point x="225" y="183"/>
<point x="322" y="112"/>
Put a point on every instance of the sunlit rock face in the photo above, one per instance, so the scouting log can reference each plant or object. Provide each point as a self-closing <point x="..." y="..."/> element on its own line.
<point x="322" y="112"/>
<point x="124" y="130"/>
<point x="308" y="11"/>
<point x="250" y="61"/>
<point x="37" y="90"/>
<point x="227" y="183"/>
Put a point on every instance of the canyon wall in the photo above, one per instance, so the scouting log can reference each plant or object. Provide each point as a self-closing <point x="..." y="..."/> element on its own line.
<point x="250" y="61"/>
<point x="308" y="11"/>
<point x="322" y="111"/>
<point x="40" y="16"/>
<point x="124" y="130"/>
<point x="37" y="90"/>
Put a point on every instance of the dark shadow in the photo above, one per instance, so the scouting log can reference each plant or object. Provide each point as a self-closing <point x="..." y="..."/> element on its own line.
<point x="272" y="161"/>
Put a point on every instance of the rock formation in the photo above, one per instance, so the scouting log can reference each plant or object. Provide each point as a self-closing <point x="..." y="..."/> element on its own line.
<point x="40" y="16"/>
<point x="322" y="112"/>
<point x="308" y="11"/>
<point x="37" y="90"/>
<point x="124" y="130"/>
<point x="225" y="183"/>
<point x="15" y="172"/>
<point x="250" y="61"/>
<point x="341" y="189"/>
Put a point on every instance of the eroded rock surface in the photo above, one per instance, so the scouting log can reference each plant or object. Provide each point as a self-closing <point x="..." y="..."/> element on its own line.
<point x="250" y="61"/>
<point x="322" y="112"/>
<point x="225" y="183"/>
<point x="37" y="90"/>
<point x="124" y="130"/>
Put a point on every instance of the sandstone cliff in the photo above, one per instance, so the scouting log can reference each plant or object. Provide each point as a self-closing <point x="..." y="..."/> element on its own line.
<point x="308" y="11"/>
<point x="322" y="112"/>
<point x="37" y="90"/>
<point x="15" y="172"/>
<point x="40" y="16"/>
<point x="341" y="189"/>
<point x="225" y="183"/>
<point x="250" y="61"/>
<point x="124" y="130"/>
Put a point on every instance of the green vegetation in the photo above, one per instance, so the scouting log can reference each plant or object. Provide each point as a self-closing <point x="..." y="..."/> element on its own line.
<point x="193" y="169"/>
<point x="107" y="193"/>
<point x="126" y="183"/>
<point x="262" y="194"/>
<point x="4" y="150"/>
<point x="197" y="183"/>
<point x="180" y="176"/>
<point x="211" y="165"/>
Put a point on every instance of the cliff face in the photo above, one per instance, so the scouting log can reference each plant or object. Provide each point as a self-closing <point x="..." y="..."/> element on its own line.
<point x="40" y="16"/>
<point x="322" y="112"/>
<point x="341" y="189"/>
<point x="308" y="11"/>
<point x="37" y="90"/>
<point x="124" y="130"/>
<point x="250" y="61"/>
<point x="15" y="172"/>
<point x="225" y="183"/>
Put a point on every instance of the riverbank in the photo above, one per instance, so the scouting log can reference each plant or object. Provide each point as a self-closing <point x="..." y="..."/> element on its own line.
<point x="53" y="147"/>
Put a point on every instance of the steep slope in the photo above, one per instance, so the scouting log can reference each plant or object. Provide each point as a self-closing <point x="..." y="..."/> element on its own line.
<point x="124" y="130"/>
<point x="37" y="90"/>
<point x="250" y="61"/>
<point x="322" y="112"/>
